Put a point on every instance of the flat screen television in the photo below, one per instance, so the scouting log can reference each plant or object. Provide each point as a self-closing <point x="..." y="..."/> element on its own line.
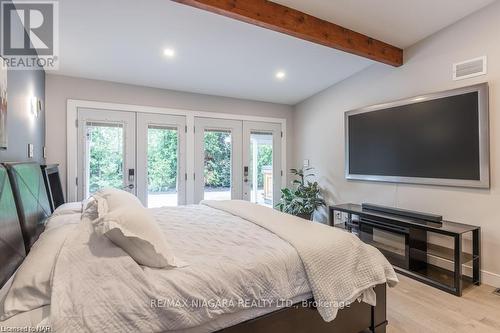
<point x="436" y="139"/>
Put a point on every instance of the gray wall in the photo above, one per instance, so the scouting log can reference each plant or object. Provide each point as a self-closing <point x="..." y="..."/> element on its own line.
<point x="62" y="88"/>
<point x="319" y="128"/>
<point x="23" y="127"/>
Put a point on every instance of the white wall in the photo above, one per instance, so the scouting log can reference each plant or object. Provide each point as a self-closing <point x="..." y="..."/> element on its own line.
<point x="61" y="88"/>
<point x="319" y="128"/>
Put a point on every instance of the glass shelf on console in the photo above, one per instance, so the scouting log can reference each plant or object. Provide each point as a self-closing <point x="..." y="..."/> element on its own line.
<point x="440" y="262"/>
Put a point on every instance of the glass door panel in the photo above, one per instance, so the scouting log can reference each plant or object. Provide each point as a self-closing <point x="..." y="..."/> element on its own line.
<point x="162" y="166"/>
<point x="217" y="165"/>
<point x="260" y="176"/>
<point x="217" y="159"/>
<point x="106" y="149"/>
<point x="261" y="162"/>
<point x="105" y="156"/>
<point x="161" y="160"/>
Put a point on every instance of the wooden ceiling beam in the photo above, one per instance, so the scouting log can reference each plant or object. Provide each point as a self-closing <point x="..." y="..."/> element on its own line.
<point x="292" y="22"/>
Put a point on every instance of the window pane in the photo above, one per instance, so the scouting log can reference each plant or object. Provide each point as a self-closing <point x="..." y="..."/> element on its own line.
<point x="261" y="169"/>
<point x="217" y="166"/>
<point x="162" y="166"/>
<point x="105" y="159"/>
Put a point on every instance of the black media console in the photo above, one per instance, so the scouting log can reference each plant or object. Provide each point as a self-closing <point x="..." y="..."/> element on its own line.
<point x="403" y="237"/>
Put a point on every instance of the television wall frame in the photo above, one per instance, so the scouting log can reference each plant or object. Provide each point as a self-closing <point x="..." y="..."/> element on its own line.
<point x="484" y="140"/>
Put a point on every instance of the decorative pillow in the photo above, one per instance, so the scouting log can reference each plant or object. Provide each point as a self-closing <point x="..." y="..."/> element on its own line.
<point x="135" y="231"/>
<point x="31" y="286"/>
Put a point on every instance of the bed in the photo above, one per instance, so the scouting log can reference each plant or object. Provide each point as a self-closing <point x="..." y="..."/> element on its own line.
<point x="227" y="254"/>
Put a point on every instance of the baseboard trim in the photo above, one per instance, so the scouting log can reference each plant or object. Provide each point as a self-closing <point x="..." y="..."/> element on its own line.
<point x="489" y="278"/>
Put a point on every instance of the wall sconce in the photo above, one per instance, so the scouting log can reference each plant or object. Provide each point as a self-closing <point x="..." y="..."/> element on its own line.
<point x="36" y="106"/>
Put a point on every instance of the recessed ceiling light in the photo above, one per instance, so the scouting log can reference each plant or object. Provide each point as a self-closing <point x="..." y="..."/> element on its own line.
<point x="280" y="75"/>
<point x="169" y="53"/>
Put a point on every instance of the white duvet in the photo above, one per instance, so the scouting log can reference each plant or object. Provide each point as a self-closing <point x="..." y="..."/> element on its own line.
<point x="233" y="263"/>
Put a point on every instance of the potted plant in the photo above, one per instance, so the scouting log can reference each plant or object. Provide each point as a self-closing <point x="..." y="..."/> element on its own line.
<point x="304" y="199"/>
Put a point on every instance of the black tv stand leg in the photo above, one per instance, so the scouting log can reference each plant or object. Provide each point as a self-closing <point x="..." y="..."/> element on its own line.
<point x="476" y="256"/>
<point x="458" y="265"/>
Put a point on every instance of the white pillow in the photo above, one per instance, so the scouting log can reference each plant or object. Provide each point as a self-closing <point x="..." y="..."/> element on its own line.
<point x="135" y="231"/>
<point x="56" y="221"/>
<point x="68" y="208"/>
<point x="109" y="199"/>
<point x="31" y="287"/>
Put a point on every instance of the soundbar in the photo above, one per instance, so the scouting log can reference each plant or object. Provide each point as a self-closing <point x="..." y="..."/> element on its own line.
<point x="403" y="212"/>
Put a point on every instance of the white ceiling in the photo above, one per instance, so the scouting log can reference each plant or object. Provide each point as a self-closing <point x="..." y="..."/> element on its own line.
<point x="123" y="41"/>
<point x="401" y="23"/>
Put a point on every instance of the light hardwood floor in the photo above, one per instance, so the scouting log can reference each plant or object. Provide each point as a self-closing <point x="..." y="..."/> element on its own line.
<point x="415" y="308"/>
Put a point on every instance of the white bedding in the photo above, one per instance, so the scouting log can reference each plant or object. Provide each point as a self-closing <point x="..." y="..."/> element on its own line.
<point x="231" y="264"/>
<point x="340" y="268"/>
<point x="38" y="317"/>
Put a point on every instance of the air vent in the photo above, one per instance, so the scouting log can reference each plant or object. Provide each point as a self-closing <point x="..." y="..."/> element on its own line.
<point x="469" y="68"/>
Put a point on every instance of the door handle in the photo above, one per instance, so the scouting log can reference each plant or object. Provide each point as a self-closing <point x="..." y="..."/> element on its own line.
<point x="129" y="187"/>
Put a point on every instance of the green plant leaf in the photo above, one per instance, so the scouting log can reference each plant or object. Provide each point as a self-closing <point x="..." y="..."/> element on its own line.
<point x="305" y="198"/>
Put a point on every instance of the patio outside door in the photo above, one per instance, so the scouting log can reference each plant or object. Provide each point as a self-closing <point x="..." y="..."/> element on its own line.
<point x="147" y="155"/>
<point x="237" y="159"/>
<point x="142" y="153"/>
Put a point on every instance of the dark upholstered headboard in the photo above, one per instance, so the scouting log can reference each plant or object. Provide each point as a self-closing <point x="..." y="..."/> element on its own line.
<point x="12" y="250"/>
<point x="31" y="199"/>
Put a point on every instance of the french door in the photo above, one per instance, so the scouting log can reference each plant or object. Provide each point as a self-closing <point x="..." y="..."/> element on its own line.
<point x="161" y="159"/>
<point x="139" y="152"/>
<point x="147" y="155"/>
<point x="237" y="159"/>
<point x="106" y="152"/>
<point x="218" y="159"/>
<point x="262" y="169"/>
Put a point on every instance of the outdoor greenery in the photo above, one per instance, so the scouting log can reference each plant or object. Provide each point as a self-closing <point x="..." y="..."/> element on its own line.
<point x="218" y="159"/>
<point x="106" y="154"/>
<point x="305" y="198"/>
<point x="264" y="158"/>
<point x="106" y="157"/>
<point x="162" y="159"/>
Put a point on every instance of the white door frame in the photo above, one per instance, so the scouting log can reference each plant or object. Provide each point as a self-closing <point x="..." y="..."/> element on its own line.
<point x="144" y="120"/>
<point x="73" y="105"/>
<point x="127" y="120"/>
